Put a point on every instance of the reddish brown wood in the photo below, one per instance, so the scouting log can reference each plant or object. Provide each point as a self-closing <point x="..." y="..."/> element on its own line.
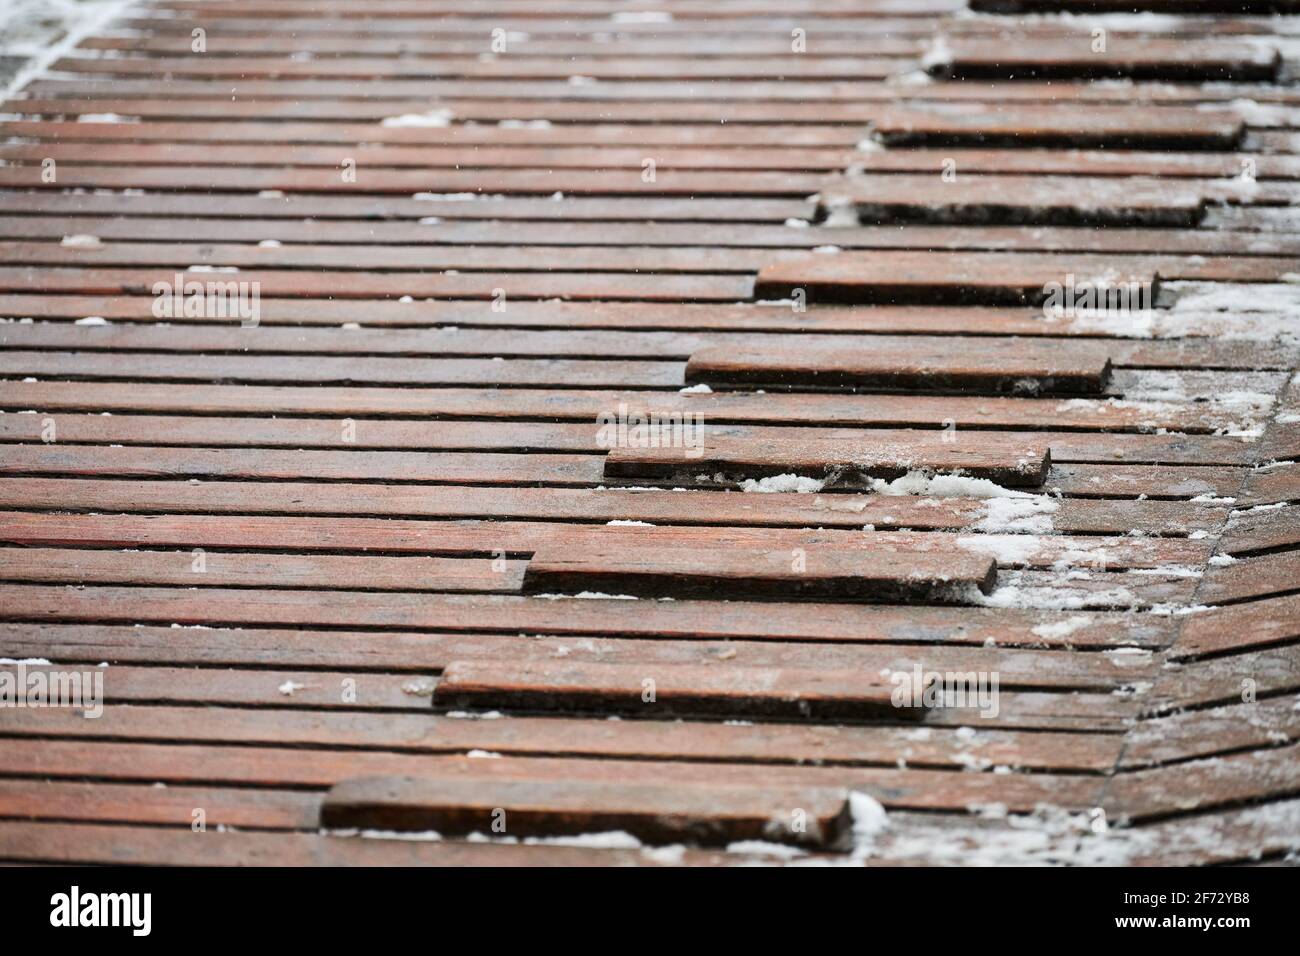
<point x="819" y="574"/>
<point x="654" y="813"/>
<point x="660" y="690"/>
<point x="1006" y="366"/>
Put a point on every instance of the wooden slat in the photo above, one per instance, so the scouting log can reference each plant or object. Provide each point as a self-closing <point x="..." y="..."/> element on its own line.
<point x="934" y="278"/>
<point x="1261" y="528"/>
<point x="657" y="691"/>
<point x="859" y="411"/>
<point x="1247" y="578"/>
<point x="83" y="843"/>
<point x="849" y="461"/>
<point x="941" y="124"/>
<point x="818" y="575"/>
<point x="1018" y="56"/>
<point x="706" y="815"/>
<point x="418" y="731"/>
<point x="1007" y="366"/>
<point x="225" y="569"/>
<point x="1054" y="200"/>
<point x="280" y="767"/>
<point x="471" y="537"/>
<point x="1070" y="516"/>
<point x="1240" y="627"/>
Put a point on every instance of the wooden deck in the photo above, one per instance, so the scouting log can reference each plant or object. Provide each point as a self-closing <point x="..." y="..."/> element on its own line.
<point x="452" y="513"/>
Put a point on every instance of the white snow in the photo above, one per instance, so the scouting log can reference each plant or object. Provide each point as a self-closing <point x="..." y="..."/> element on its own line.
<point x="588" y="596"/>
<point x="700" y="389"/>
<point x="81" y="241"/>
<point x="433" y="118"/>
<point x="782" y="483"/>
<point x="1061" y="629"/>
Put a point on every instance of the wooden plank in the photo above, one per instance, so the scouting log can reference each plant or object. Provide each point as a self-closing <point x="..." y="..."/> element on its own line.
<point x="1203" y="733"/>
<point x="525" y="68"/>
<point x="1271" y="484"/>
<point x="681" y="620"/>
<point x="849" y="461"/>
<point x="1240" y="627"/>
<point x="798" y="575"/>
<point x="479" y="467"/>
<point x="476" y="228"/>
<point x="31" y="800"/>
<point x="289" y="207"/>
<point x="462" y="732"/>
<point x="669" y="690"/>
<point x="1047" y="200"/>
<point x="226" y="569"/>
<point x="935" y="278"/>
<point x="1247" y="578"/>
<point x="1138" y="56"/>
<point x="473" y="285"/>
<point x="477" y="538"/>
<point x="86" y="843"/>
<point x="654" y="813"/>
<point x="668" y="182"/>
<point x="1223" y="680"/>
<point x="1007" y="366"/>
<point x="1203" y="784"/>
<point x="1037" y="677"/>
<point x="585" y="505"/>
<point x="858" y="411"/>
<point x="962" y="124"/>
<point x="281" y="767"/>
<point x="1262" y="528"/>
<point x="619" y="343"/>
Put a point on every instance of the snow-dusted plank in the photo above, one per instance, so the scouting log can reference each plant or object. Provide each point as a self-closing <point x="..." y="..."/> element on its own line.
<point x="937" y="510"/>
<point x="1020" y="56"/>
<point x="1220" y="680"/>
<point x="1201" y="733"/>
<point x="587" y="405"/>
<point x="475" y="537"/>
<point x="816" y="574"/>
<point x="849" y="461"/>
<point x="722" y="689"/>
<point x="964" y="124"/>
<point x="978" y="742"/>
<point x="1234" y="628"/>
<point x="942" y="278"/>
<point x="1261" y="528"/>
<point x="1203" y="784"/>
<point x="88" y="843"/>
<point x="1274" y="483"/>
<point x="1241" y="579"/>
<point x="974" y="199"/>
<point x="654" y="813"/>
<point x="342" y="284"/>
<point x="458" y="206"/>
<point x="312" y="767"/>
<point x="1012" y="366"/>
<point x="1140" y="354"/>
<point x="408" y="182"/>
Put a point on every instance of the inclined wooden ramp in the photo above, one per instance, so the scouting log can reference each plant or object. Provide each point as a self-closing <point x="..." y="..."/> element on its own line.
<point x="633" y="413"/>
